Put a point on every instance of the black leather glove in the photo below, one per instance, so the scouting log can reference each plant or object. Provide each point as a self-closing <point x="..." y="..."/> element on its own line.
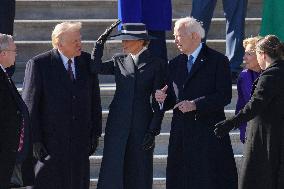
<point x="102" y="39"/>
<point x="39" y="151"/>
<point x="224" y="127"/>
<point x="148" y="141"/>
<point x="98" y="49"/>
<point x="94" y="145"/>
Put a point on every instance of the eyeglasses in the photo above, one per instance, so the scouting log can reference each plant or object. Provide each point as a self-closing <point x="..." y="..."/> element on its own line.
<point x="9" y="50"/>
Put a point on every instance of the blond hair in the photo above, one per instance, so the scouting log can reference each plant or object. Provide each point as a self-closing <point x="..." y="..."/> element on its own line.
<point x="61" y="28"/>
<point x="191" y="25"/>
<point x="251" y="41"/>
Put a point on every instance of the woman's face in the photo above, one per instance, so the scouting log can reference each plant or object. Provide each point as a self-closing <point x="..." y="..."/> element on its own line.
<point x="250" y="58"/>
<point x="132" y="46"/>
<point x="261" y="59"/>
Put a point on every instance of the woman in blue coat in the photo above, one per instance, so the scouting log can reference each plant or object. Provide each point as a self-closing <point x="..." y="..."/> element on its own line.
<point x="156" y="15"/>
<point x="134" y="120"/>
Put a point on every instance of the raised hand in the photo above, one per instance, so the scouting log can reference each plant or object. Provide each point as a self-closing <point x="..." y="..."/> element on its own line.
<point x="160" y="95"/>
<point x="102" y="39"/>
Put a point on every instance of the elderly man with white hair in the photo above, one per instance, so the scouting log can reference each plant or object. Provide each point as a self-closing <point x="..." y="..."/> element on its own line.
<point x="65" y="108"/>
<point x="199" y="86"/>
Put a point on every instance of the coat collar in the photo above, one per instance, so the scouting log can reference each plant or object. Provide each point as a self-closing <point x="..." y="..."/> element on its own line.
<point x="60" y="71"/>
<point x="144" y="59"/>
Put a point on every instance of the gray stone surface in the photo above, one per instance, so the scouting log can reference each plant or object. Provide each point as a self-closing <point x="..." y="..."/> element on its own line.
<point x="39" y="30"/>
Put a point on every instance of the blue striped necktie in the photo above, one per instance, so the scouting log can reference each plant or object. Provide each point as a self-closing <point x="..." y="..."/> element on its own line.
<point x="189" y="63"/>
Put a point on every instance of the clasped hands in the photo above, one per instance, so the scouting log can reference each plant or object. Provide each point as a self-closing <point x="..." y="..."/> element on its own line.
<point x="184" y="106"/>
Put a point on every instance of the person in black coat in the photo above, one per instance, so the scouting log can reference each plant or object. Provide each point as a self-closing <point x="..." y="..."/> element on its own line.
<point x="14" y="118"/>
<point x="199" y="86"/>
<point x="133" y="120"/>
<point x="7" y="16"/>
<point x="63" y="98"/>
<point x="263" y="166"/>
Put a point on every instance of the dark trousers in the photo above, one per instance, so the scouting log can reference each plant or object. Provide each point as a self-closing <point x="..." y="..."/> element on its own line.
<point x="235" y="13"/>
<point x="158" y="46"/>
<point x="7" y="16"/>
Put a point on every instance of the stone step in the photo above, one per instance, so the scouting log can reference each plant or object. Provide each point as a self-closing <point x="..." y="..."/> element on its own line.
<point x="95" y="9"/>
<point x="162" y="141"/>
<point x="108" y="90"/>
<point x="159" y="170"/>
<point x="29" y="49"/>
<point x="92" y="28"/>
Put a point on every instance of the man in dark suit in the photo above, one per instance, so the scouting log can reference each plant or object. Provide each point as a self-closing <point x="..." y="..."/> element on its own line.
<point x="199" y="86"/>
<point x="14" y="118"/>
<point x="7" y="16"/>
<point x="64" y="103"/>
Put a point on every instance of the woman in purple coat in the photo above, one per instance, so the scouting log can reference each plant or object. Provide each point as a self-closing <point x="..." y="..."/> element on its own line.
<point x="156" y="15"/>
<point x="246" y="78"/>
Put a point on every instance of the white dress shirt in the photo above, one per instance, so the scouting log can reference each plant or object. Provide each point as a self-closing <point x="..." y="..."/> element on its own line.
<point x="65" y="63"/>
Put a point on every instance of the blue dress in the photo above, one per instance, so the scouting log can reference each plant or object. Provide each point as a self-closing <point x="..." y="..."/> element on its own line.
<point x="157" y="14"/>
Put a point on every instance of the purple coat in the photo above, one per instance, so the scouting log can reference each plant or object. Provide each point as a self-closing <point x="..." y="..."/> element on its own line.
<point x="244" y="86"/>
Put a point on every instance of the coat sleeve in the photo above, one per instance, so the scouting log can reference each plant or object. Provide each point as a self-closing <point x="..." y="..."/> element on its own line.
<point x="159" y="82"/>
<point x="32" y="97"/>
<point x="264" y="93"/>
<point x="171" y="97"/>
<point x="96" y="108"/>
<point x="99" y="67"/>
<point x="223" y="93"/>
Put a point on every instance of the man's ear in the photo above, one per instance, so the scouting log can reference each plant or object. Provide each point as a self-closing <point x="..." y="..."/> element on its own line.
<point x="195" y="35"/>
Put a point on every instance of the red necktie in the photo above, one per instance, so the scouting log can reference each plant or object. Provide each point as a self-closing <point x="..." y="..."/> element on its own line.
<point x="22" y="135"/>
<point x="69" y="70"/>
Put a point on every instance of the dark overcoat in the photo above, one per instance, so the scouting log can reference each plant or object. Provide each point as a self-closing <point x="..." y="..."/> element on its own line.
<point x="197" y="159"/>
<point x="125" y="164"/>
<point x="12" y="112"/>
<point x="64" y="116"/>
<point x="263" y="166"/>
<point x="7" y="15"/>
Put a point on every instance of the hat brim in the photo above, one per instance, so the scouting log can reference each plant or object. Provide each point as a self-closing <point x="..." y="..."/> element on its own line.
<point x="123" y="36"/>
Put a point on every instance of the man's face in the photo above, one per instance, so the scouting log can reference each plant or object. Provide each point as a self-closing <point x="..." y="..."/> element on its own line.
<point x="183" y="39"/>
<point x="8" y="55"/>
<point x="70" y="44"/>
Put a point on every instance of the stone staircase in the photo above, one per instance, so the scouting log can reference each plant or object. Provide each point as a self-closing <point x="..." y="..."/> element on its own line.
<point x="35" y="20"/>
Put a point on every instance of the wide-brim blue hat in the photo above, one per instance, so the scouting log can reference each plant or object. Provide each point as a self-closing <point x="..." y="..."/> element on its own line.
<point x="133" y="31"/>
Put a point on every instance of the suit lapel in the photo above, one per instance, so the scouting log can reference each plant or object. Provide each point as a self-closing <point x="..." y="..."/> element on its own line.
<point x="143" y="59"/>
<point x="59" y="70"/>
<point x="79" y="68"/>
<point x="199" y="63"/>
<point x="16" y="96"/>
